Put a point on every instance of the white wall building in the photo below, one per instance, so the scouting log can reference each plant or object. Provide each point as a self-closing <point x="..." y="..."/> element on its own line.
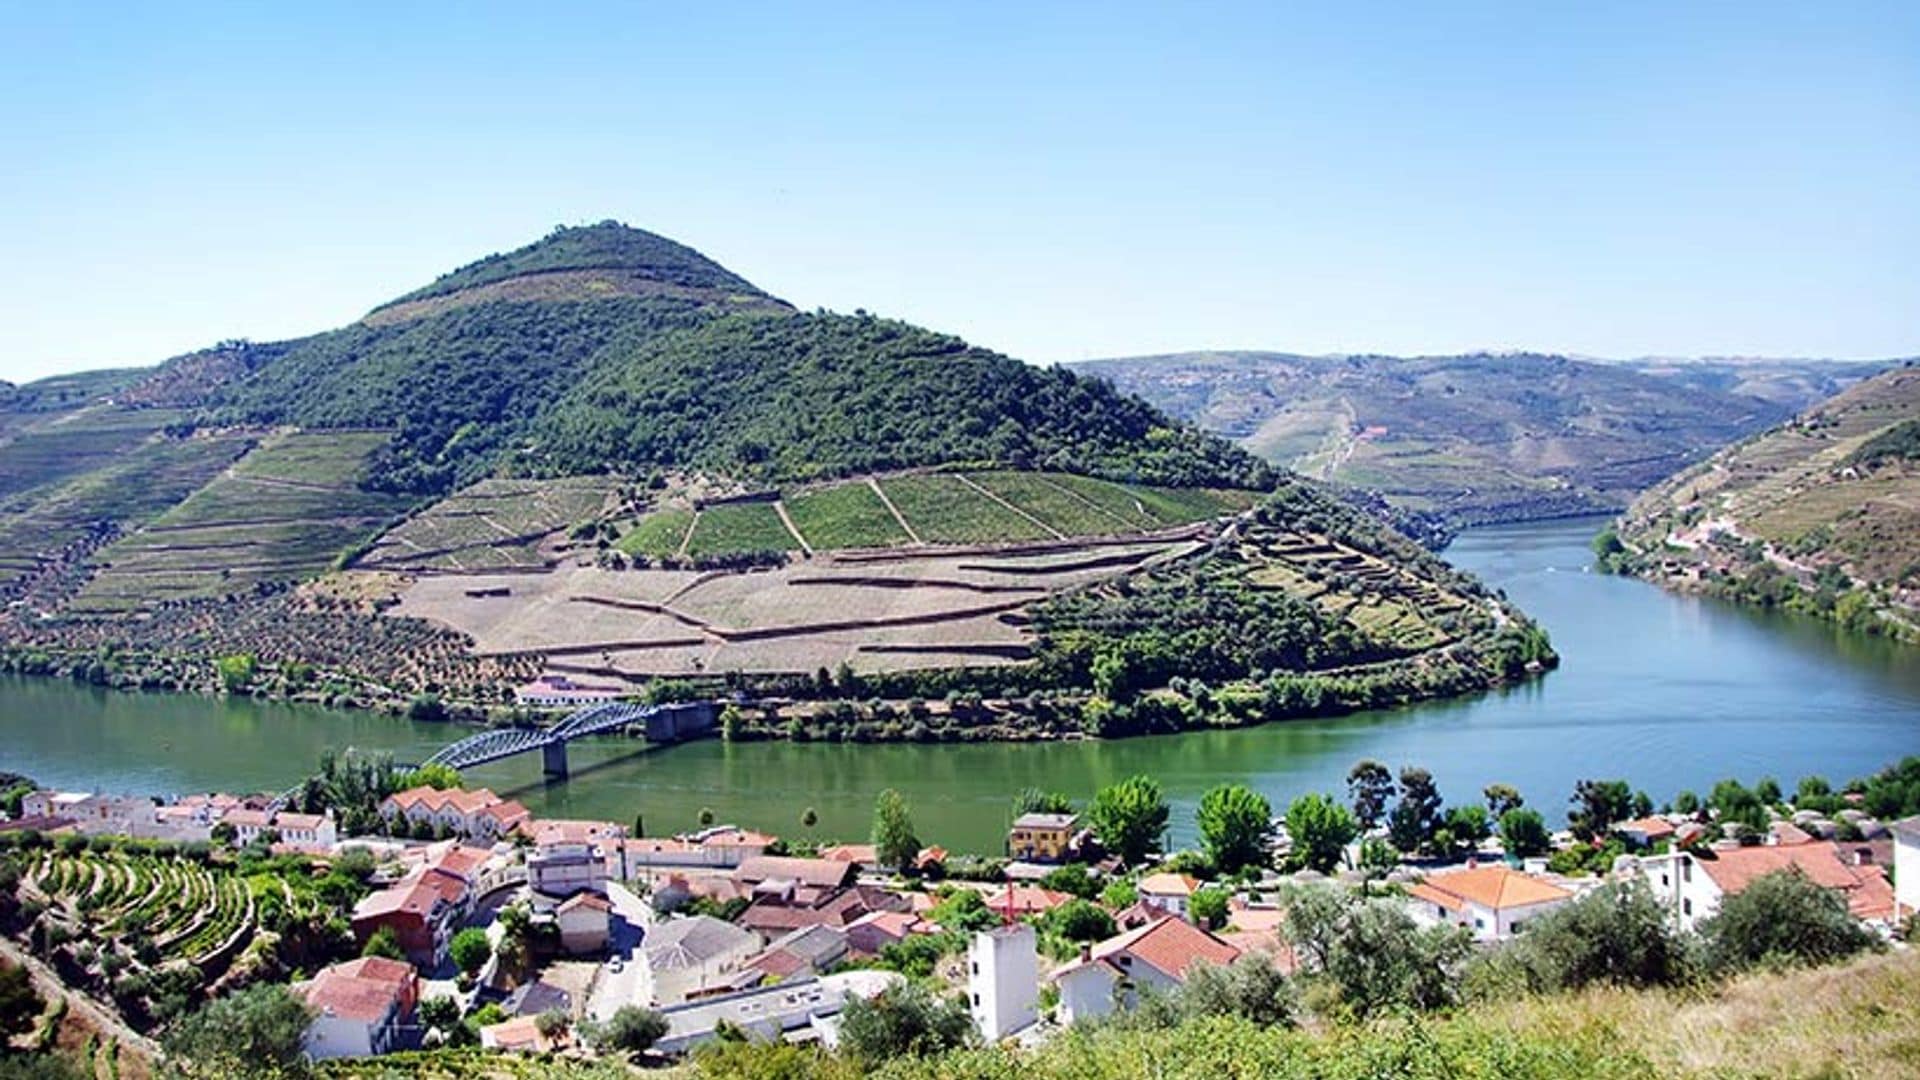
<point x="1691" y="886"/>
<point x="1003" y="980"/>
<point x="1906" y="868"/>
<point x="1493" y="902"/>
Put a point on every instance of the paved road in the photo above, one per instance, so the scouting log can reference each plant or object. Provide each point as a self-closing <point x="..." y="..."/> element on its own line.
<point x="633" y="983"/>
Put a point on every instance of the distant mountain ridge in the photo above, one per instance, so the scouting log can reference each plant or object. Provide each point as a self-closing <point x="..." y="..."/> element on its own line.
<point x="1479" y="437"/>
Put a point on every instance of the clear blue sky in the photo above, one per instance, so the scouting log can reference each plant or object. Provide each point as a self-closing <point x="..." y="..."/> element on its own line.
<point x="1087" y="180"/>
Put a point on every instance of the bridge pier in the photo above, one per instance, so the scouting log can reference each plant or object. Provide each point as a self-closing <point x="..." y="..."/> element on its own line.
<point x="555" y="754"/>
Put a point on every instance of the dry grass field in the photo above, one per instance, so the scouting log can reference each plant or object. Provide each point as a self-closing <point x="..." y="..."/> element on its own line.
<point x="876" y="611"/>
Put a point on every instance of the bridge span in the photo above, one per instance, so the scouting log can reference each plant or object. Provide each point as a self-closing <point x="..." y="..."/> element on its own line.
<point x="664" y="723"/>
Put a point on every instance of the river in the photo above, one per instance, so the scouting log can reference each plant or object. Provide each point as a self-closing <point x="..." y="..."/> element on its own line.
<point x="1667" y="691"/>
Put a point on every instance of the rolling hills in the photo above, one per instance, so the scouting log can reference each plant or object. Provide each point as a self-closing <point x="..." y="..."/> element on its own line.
<point x="1820" y="514"/>
<point x="605" y="454"/>
<point x="1484" y="437"/>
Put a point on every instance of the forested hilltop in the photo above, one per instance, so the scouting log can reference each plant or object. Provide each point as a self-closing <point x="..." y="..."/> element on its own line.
<point x="570" y="457"/>
<point x="698" y="369"/>
<point x="1820" y="514"/>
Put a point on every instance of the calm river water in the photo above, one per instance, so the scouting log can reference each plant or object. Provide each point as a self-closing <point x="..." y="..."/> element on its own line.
<point x="1667" y="691"/>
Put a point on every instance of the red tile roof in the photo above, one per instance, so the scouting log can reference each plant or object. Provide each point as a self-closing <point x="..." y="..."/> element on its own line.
<point x="1027" y="899"/>
<point x="1493" y="887"/>
<point x="1869" y="896"/>
<point x="365" y="989"/>
<point x="1171" y="945"/>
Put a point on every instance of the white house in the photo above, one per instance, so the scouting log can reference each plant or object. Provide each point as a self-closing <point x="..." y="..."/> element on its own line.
<point x="567" y="868"/>
<point x="1154" y="957"/>
<point x="693" y="956"/>
<point x="361" y="1007"/>
<point x="1169" y="893"/>
<point x="1906" y="868"/>
<point x="306" y="830"/>
<point x="1691" y="886"/>
<point x="91" y="812"/>
<point x="583" y="921"/>
<point x="478" y="814"/>
<point x="1003" y="980"/>
<point x="1494" y="902"/>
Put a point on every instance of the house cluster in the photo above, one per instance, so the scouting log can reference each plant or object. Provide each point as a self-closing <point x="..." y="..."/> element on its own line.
<point x="190" y="819"/>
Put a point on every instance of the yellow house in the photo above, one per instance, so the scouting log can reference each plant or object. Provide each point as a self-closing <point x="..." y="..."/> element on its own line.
<point x="1041" y="837"/>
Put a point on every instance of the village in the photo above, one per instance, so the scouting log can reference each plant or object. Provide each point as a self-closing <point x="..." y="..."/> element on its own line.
<point x="479" y="923"/>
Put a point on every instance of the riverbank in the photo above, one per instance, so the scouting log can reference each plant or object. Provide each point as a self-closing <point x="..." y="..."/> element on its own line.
<point x="1511" y="654"/>
<point x="1647" y="679"/>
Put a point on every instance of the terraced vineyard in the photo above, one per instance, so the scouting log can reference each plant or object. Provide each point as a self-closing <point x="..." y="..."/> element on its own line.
<point x="36" y="526"/>
<point x="286" y="511"/>
<point x="491" y="525"/>
<point x="70" y="444"/>
<point x="970" y="508"/>
<point x="183" y="908"/>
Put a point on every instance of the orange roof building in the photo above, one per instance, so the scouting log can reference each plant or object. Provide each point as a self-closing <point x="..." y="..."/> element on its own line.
<point x="1154" y="957"/>
<point x="1494" y="902"/>
<point x="1692" y="885"/>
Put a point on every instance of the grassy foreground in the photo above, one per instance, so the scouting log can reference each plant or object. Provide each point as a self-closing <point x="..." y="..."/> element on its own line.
<point x="1857" y="1020"/>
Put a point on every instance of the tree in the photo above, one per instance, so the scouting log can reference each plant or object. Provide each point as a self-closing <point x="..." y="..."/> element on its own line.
<point x="1120" y="894"/>
<point x="809" y="818"/>
<point x="20" y="1004"/>
<point x="1523" y="832"/>
<point x="1467" y="826"/>
<point x="1616" y="934"/>
<point x="440" y="1013"/>
<point x="1735" y="805"/>
<point x="437" y="776"/>
<point x="255" y="1032"/>
<point x="1377" y="859"/>
<point x="1642" y="804"/>
<point x="469" y="950"/>
<point x="964" y="911"/>
<point x="383" y="942"/>
<point x="902" y="1021"/>
<point x="1080" y="920"/>
<point x="552" y="1024"/>
<point x="1502" y="798"/>
<point x="1235" y="827"/>
<point x="1207" y="907"/>
<point x="1686" y="803"/>
<point x="1129" y="817"/>
<point x="1251" y="988"/>
<point x="1783" y="917"/>
<point x="630" y="1030"/>
<point x="706" y="816"/>
<point x="1072" y="878"/>
<point x="894" y="843"/>
<point x="1597" y="806"/>
<point x="1321" y="830"/>
<point x="1370" y="787"/>
<point x="639" y="824"/>
<point x="236" y="671"/>
<point x="1414" y="818"/>
<point x="1379" y="958"/>
<point x="427" y="709"/>
<point x="1767" y="790"/>
<point x="1035" y="801"/>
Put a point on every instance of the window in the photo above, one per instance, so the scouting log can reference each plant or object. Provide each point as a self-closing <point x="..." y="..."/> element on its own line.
<point x="976" y="1001"/>
<point x="1686" y="906"/>
<point x="1686" y="869"/>
<point x="976" y="967"/>
<point x="1664" y="882"/>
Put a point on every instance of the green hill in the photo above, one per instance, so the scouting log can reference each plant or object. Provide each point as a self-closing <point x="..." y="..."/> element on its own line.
<point x="628" y="429"/>
<point x="826" y="395"/>
<point x="1820" y="514"/>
